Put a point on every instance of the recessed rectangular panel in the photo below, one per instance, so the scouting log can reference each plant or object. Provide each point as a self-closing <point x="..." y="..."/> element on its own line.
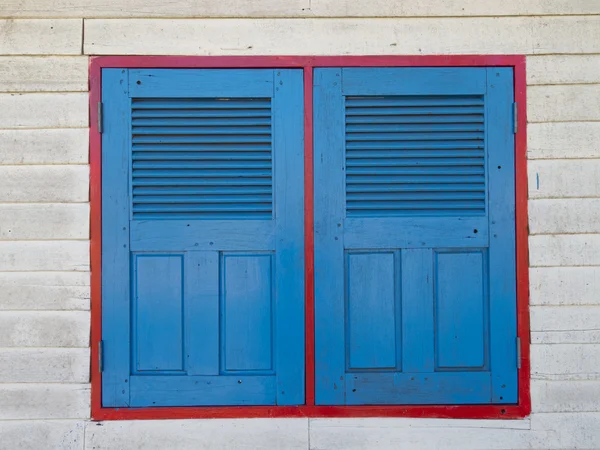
<point x="247" y="328"/>
<point x="460" y="310"/>
<point x="158" y="303"/>
<point x="371" y="310"/>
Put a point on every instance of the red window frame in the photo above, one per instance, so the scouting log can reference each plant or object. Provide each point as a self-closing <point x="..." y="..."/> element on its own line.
<point x="309" y="409"/>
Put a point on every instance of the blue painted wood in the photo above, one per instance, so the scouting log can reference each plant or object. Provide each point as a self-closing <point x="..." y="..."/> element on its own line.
<point x="330" y="353"/>
<point x="461" y="310"/>
<point x="417" y="311"/>
<point x="247" y="313"/>
<point x="202" y="291"/>
<point x="502" y="265"/>
<point x="205" y="83"/>
<point x="417" y="232"/>
<point x="372" y="311"/>
<point x="415" y="162"/>
<point x="386" y="388"/>
<point x="158" y="312"/>
<point x="116" y="323"/>
<point x="225" y="235"/>
<point x="219" y="390"/>
<point x="415" y="81"/>
<point x="288" y="142"/>
<point x="202" y="191"/>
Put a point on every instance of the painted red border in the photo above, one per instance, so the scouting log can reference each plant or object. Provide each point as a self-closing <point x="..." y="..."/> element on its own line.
<point x="307" y="63"/>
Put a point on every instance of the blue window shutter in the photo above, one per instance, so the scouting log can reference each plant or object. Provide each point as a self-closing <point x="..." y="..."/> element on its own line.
<point x="414" y="236"/>
<point x="202" y="253"/>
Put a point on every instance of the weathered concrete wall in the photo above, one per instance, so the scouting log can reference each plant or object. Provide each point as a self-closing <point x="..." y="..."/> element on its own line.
<point x="44" y="211"/>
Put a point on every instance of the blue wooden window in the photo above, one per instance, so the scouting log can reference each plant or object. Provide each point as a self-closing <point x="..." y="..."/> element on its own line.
<point x="202" y="256"/>
<point x="202" y="241"/>
<point x="414" y="236"/>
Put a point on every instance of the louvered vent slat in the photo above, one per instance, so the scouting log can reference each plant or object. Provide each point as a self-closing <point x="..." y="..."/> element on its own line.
<point x="415" y="156"/>
<point x="202" y="159"/>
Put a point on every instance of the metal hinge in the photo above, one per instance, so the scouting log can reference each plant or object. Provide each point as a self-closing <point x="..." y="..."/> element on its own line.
<point x="515" y="118"/>
<point x="100" y="117"/>
<point x="100" y="356"/>
<point x="518" y="352"/>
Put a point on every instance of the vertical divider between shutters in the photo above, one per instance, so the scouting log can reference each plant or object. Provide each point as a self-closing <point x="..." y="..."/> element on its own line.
<point x="329" y="249"/>
<point x="288" y="182"/>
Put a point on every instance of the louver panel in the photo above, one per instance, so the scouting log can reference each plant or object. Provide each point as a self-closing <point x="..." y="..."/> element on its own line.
<point x="415" y="156"/>
<point x="202" y="158"/>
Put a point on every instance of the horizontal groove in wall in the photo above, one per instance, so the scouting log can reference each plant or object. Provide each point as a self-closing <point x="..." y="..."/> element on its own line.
<point x="591" y="83"/>
<point x="562" y="234"/>
<point x="558" y="266"/>
<point x="564" y="121"/>
<point x="300" y="15"/>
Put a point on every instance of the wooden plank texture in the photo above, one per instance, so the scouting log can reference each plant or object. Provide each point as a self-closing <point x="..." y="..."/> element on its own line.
<point x="50" y="146"/>
<point x="201" y="311"/>
<point x="44" y="290"/>
<point x="44" y="184"/>
<point x="288" y="144"/>
<point x="28" y="434"/>
<point x="564" y="286"/>
<point x="566" y="337"/>
<point x="565" y="396"/>
<point x="43" y="74"/>
<point x="563" y="69"/>
<point x="44" y="329"/>
<point x="47" y="110"/>
<point x="564" y="250"/>
<point x="417" y="434"/>
<point x="48" y="365"/>
<point x="40" y="37"/>
<point x="425" y="8"/>
<point x="563" y="103"/>
<point x="44" y="221"/>
<point x="44" y="401"/>
<point x="155" y="8"/>
<point x="258" y="434"/>
<point x="561" y="431"/>
<point x="573" y="215"/>
<point x="330" y="284"/>
<point x="564" y="318"/>
<point x="563" y="140"/>
<point x="18" y="256"/>
<point x="564" y="178"/>
<point x="542" y="430"/>
<point x="565" y="362"/>
<point x="523" y="35"/>
<point x="295" y="8"/>
<point x="158" y="311"/>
